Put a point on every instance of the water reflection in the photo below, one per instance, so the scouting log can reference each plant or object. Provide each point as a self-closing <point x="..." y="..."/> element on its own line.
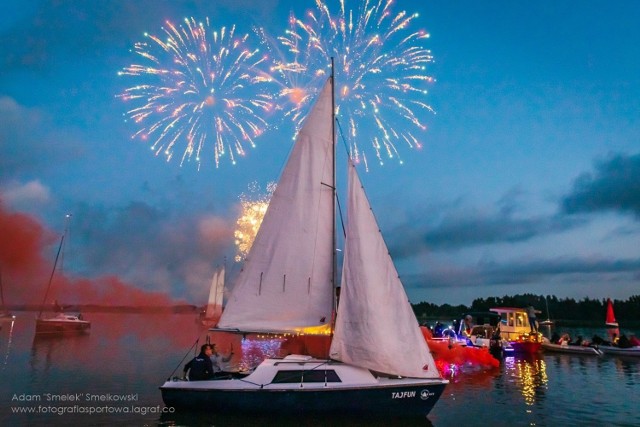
<point x="628" y="370"/>
<point x="283" y="420"/>
<point x="9" y="341"/>
<point x="529" y="374"/>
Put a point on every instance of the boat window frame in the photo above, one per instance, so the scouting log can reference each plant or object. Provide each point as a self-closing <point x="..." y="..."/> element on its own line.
<point x="289" y="376"/>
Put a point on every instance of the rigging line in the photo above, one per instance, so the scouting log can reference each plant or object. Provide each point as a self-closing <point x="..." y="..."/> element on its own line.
<point x="346" y="149"/>
<point x="185" y="356"/>
<point x="344" y="140"/>
<point x="46" y="294"/>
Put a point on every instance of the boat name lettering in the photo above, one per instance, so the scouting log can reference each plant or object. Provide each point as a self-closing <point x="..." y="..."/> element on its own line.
<point x="402" y="394"/>
<point x="425" y="394"/>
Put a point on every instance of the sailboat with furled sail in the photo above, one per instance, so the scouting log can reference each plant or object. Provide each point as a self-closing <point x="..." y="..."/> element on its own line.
<point x="378" y="363"/>
<point x="61" y="323"/>
<point x="213" y="309"/>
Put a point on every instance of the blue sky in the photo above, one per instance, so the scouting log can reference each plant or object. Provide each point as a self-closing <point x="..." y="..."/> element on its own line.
<point x="528" y="181"/>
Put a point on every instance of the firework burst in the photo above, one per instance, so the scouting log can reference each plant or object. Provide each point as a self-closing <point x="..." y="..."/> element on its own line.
<point x="380" y="68"/>
<point x="254" y="206"/>
<point x="197" y="86"/>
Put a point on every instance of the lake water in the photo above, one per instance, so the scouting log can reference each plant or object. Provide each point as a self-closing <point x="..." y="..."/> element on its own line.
<point x="115" y="372"/>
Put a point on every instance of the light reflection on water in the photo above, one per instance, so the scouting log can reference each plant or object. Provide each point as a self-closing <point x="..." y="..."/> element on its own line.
<point x="529" y="374"/>
<point x="134" y="354"/>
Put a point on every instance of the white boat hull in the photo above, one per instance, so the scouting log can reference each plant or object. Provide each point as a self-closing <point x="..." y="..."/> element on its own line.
<point x="632" y="351"/>
<point x="571" y="349"/>
<point x="62" y="324"/>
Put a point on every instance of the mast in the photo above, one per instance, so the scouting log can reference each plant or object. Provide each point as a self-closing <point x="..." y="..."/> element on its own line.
<point x="334" y="275"/>
<point x="55" y="263"/>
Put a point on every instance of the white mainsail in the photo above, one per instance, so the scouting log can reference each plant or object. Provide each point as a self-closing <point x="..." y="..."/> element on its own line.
<point x="216" y="294"/>
<point x="376" y="327"/>
<point x="286" y="282"/>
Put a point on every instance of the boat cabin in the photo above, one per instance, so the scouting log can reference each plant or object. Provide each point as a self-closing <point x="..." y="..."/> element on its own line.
<point x="514" y="322"/>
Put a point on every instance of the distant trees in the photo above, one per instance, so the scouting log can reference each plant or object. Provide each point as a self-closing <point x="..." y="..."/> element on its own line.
<point x="586" y="310"/>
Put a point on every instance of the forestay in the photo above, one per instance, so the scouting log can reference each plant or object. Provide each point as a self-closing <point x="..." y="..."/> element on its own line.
<point x="375" y="326"/>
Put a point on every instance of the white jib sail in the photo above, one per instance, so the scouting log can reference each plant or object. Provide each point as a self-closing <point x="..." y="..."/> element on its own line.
<point x="376" y="327"/>
<point x="285" y="284"/>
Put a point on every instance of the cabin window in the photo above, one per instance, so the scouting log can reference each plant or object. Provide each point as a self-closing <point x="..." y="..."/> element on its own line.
<point x="315" y="376"/>
<point x="510" y="317"/>
<point x="519" y="320"/>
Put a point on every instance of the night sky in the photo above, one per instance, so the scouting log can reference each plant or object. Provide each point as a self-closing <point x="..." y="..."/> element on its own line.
<point x="528" y="179"/>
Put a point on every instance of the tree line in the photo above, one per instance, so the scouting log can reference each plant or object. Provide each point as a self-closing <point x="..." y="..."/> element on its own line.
<point x="567" y="310"/>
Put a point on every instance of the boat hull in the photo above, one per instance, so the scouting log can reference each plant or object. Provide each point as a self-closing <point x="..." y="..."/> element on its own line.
<point x="387" y="401"/>
<point x="617" y="351"/>
<point x="525" y="347"/>
<point x="52" y="326"/>
<point x="571" y="349"/>
<point x="303" y="385"/>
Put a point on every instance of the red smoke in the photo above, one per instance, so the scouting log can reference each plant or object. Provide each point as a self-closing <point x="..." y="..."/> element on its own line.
<point x="25" y="271"/>
<point x="446" y="355"/>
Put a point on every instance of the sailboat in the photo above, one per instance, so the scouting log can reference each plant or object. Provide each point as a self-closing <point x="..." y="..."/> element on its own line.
<point x="610" y="320"/>
<point x="378" y="363"/>
<point x="213" y="310"/>
<point x="618" y="349"/>
<point x="60" y="323"/>
<point x="547" y="321"/>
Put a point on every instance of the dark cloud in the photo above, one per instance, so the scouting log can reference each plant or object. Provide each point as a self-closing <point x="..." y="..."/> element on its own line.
<point x="80" y="28"/>
<point x="518" y="273"/>
<point x="613" y="186"/>
<point x="30" y="142"/>
<point x="152" y="248"/>
<point x="467" y="229"/>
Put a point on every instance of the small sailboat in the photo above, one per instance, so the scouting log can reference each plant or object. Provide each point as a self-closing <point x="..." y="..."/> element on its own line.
<point x="213" y="310"/>
<point x="378" y="363"/>
<point x="60" y="323"/>
<point x="547" y="321"/>
<point x="617" y="349"/>
<point x="610" y="320"/>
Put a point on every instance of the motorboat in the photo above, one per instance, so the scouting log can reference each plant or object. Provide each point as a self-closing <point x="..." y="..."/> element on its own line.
<point x="569" y="348"/>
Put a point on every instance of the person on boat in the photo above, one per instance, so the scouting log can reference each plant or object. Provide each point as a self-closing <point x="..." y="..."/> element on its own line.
<point x="565" y="339"/>
<point x="623" y="342"/>
<point x="635" y="342"/>
<point x="200" y="367"/>
<point x="219" y="362"/>
<point x="438" y="329"/>
<point x="598" y="340"/>
<point x="614" y="339"/>
<point x="578" y="341"/>
<point x="533" y="322"/>
<point x="467" y="325"/>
